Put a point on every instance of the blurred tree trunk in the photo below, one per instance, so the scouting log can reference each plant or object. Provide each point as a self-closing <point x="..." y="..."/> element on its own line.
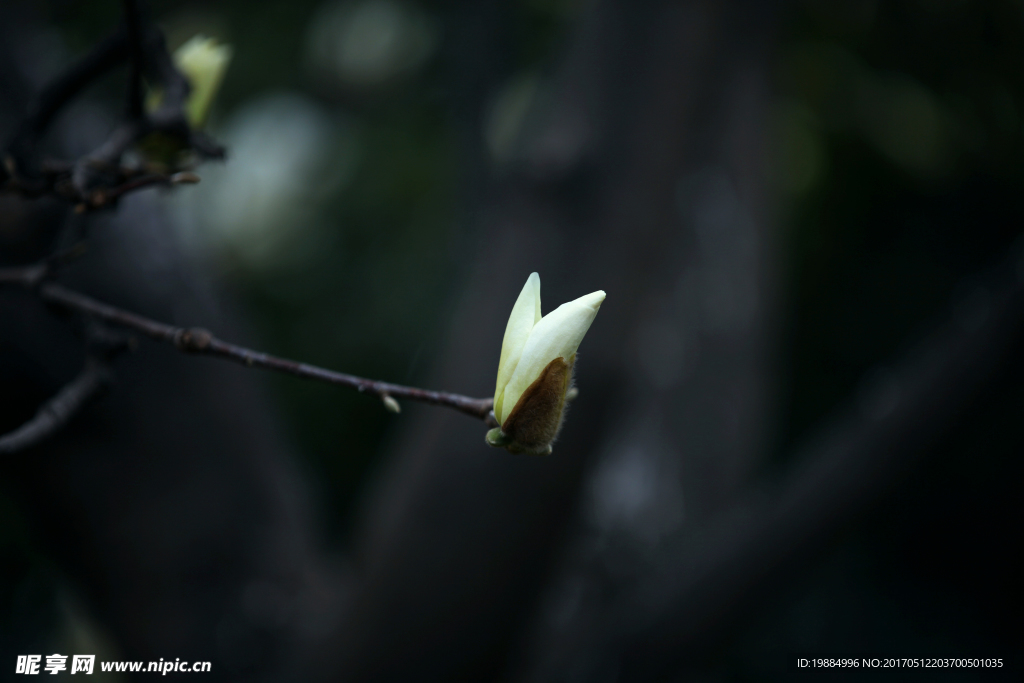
<point x="641" y="175"/>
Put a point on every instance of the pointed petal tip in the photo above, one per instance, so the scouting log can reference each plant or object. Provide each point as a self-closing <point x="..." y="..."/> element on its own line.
<point x="532" y="282"/>
<point x="594" y="299"/>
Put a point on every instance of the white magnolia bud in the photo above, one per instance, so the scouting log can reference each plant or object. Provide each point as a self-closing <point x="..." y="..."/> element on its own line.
<point x="535" y="369"/>
<point x="203" y="62"/>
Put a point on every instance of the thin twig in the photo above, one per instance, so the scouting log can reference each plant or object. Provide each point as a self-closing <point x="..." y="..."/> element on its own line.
<point x="198" y="341"/>
<point x="58" y="411"/>
<point x="103" y="196"/>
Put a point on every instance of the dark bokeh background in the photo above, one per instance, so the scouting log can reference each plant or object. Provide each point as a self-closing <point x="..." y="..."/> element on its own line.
<point x="799" y="430"/>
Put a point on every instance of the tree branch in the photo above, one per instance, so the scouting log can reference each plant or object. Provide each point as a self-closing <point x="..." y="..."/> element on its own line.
<point x="198" y="341"/>
<point x="58" y="411"/>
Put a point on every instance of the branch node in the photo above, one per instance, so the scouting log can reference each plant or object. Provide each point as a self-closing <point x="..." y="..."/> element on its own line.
<point x="193" y="340"/>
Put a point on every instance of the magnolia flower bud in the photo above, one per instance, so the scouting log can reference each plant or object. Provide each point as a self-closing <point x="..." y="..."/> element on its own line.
<point x="203" y="62"/>
<point x="535" y="369"/>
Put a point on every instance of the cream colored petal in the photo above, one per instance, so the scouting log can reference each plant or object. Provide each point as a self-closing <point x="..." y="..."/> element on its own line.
<point x="203" y="62"/>
<point x="557" y="335"/>
<point x="525" y="314"/>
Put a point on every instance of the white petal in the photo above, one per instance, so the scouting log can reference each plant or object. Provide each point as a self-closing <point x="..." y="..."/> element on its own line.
<point x="557" y="335"/>
<point x="525" y="314"/>
<point x="203" y="62"/>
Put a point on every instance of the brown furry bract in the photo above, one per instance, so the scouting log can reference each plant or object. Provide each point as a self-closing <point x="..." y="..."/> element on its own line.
<point x="537" y="416"/>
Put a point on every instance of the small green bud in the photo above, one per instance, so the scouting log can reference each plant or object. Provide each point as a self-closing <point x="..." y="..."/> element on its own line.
<point x="497" y="438"/>
<point x="391" y="404"/>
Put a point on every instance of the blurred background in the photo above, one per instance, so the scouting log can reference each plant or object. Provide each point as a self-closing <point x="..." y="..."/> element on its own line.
<point x="799" y="429"/>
